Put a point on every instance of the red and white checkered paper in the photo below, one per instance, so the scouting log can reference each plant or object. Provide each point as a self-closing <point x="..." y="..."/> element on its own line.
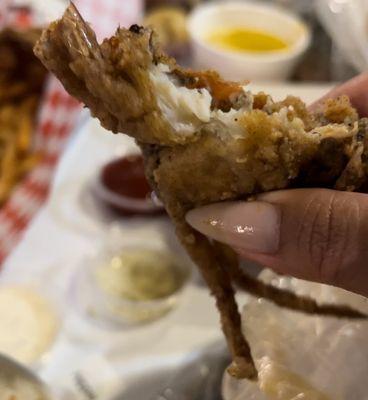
<point x="58" y="115"/>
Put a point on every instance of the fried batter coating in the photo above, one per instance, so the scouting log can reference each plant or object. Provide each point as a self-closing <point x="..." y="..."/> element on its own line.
<point x="206" y="140"/>
<point x="22" y="78"/>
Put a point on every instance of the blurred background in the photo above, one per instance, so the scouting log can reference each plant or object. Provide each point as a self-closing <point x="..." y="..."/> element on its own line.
<point x="97" y="298"/>
<point x="331" y="23"/>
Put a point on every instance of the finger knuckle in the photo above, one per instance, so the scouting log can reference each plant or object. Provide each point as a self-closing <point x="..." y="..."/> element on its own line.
<point x="324" y="235"/>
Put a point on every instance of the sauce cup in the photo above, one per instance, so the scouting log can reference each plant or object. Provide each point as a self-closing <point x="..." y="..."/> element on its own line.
<point x="114" y="309"/>
<point x="23" y="382"/>
<point x="121" y="185"/>
<point x="242" y="65"/>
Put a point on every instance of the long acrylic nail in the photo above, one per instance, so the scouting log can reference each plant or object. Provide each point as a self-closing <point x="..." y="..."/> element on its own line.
<point x="252" y="226"/>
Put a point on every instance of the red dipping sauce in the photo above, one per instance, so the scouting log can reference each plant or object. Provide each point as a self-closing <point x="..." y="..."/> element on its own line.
<point x="123" y="186"/>
<point x="125" y="176"/>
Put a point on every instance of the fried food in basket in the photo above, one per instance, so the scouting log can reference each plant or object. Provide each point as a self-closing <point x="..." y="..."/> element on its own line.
<point x="206" y="140"/>
<point x="21" y="82"/>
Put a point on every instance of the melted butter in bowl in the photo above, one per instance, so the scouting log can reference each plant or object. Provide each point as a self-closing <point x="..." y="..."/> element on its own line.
<point x="246" y="40"/>
<point x="140" y="284"/>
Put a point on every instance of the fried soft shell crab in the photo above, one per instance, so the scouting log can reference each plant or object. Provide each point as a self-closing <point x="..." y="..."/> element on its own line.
<point x="206" y="140"/>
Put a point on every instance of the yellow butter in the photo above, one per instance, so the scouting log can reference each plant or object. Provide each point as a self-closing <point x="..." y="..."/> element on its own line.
<point x="246" y="40"/>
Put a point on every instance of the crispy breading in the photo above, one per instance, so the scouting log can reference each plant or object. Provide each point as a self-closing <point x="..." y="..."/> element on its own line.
<point x="232" y="146"/>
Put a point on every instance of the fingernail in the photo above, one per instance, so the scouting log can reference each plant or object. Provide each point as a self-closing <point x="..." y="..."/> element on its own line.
<point x="252" y="226"/>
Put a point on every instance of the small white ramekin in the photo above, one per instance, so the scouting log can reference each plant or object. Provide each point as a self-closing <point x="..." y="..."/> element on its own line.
<point x="234" y="65"/>
<point x="20" y="373"/>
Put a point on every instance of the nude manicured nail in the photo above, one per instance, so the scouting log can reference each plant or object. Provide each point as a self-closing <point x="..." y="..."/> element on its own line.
<point x="252" y="226"/>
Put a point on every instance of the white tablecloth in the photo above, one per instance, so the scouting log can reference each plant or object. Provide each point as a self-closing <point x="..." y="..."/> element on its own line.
<point x="64" y="232"/>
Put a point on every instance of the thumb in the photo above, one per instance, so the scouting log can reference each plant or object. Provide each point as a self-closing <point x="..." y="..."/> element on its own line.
<point x="314" y="234"/>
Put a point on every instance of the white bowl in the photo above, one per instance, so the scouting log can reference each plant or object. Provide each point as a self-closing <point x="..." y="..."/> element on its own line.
<point x="124" y="204"/>
<point x="270" y="66"/>
<point x="102" y="307"/>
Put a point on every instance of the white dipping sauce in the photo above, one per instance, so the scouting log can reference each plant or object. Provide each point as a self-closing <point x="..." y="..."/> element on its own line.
<point x="28" y="324"/>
